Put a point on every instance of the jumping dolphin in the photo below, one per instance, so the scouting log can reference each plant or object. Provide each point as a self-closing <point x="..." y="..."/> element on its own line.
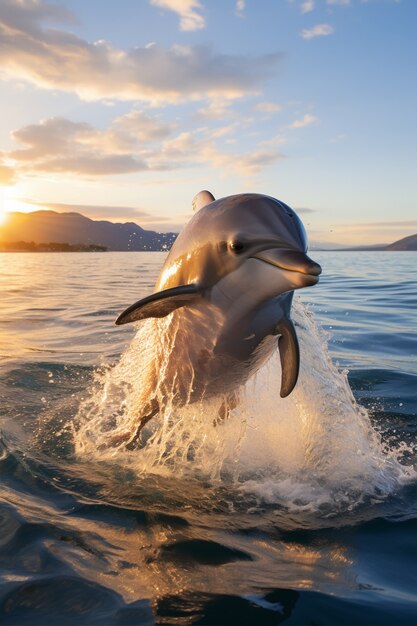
<point x="228" y="282"/>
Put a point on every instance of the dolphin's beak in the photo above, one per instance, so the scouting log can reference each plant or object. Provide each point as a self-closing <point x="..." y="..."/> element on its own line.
<point x="292" y="261"/>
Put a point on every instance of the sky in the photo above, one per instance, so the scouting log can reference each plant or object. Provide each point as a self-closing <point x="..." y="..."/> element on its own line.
<point x="124" y="110"/>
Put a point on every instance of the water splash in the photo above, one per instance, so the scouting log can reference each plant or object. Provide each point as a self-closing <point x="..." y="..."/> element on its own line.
<point x="315" y="450"/>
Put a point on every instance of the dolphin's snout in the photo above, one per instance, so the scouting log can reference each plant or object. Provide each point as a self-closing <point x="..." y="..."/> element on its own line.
<point x="291" y="260"/>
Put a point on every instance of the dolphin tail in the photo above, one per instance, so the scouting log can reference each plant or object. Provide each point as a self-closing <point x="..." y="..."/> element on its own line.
<point x="289" y="353"/>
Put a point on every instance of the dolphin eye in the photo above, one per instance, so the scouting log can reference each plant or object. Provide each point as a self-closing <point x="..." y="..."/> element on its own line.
<point x="236" y="246"/>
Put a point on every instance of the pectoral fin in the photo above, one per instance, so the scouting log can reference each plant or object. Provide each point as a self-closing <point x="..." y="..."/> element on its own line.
<point x="160" y="304"/>
<point x="289" y="353"/>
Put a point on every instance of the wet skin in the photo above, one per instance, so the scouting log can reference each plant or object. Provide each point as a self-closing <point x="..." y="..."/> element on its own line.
<point x="229" y="281"/>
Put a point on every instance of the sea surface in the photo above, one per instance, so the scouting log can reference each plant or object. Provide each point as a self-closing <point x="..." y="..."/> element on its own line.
<point x="296" y="511"/>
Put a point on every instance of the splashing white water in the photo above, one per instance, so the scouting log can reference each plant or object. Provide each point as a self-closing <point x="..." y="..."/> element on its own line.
<point x="308" y="450"/>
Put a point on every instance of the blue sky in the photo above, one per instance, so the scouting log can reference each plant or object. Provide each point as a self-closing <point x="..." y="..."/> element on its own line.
<point x="124" y="110"/>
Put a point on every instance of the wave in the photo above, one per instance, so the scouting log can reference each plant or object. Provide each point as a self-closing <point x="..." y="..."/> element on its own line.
<point x="315" y="451"/>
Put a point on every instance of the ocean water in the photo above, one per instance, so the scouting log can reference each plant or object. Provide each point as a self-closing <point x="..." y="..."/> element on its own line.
<point x="297" y="511"/>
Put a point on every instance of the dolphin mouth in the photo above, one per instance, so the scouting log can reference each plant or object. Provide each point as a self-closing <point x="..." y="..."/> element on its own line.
<point x="291" y="261"/>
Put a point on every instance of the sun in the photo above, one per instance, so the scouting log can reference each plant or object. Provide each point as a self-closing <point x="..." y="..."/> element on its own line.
<point x="10" y="202"/>
<point x="3" y="208"/>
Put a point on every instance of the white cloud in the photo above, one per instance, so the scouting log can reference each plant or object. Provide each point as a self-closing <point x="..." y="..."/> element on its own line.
<point x="139" y="126"/>
<point x="339" y="2"/>
<point x="216" y="109"/>
<point x="61" y="145"/>
<point x="134" y="142"/>
<point x="57" y="59"/>
<point x="7" y="175"/>
<point x="223" y="131"/>
<point x="307" y="120"/>
<point x="385" y="224"/>
<point x="320" y="30"/>
<point x="189" y="150"/>
<point x="307" y="6"/>
<point x="187" y="10"/>
<point x="268" y="107"/>
<point x="246" y="164"/>
<point x="98" y="211"/>
<point x="240" y="7"/>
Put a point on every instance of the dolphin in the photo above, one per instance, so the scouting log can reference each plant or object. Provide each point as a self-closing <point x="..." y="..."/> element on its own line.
<point x="228" y="284"/>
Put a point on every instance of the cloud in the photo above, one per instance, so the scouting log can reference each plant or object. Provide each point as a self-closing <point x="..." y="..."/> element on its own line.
<point x="307" y="120"/>
<point x="58" y="59"/>
<point x="216" y="109"/>
<point x="339" y="2"/>
<point x="28" y="14"/>
<point x="370" y="232"/>
<point x="307" y="6"/>
<point x="240" y="7"/>
<point x="139" y="126"/>
<point x="249" y="164"/>
<point x="190" y="150"/>
<point x="305" y="210"/>
<point x="118" y="214"/>
<point x="384" y="225"/>
<point x="7" y="175"/>
<point x="187" y="10"/>
<point x="134" y="142"/>
<point x="61" y="145"/>
<point x="100" y="211"/>
<point x="321" y="30"/>
<point x="268" y="107"/>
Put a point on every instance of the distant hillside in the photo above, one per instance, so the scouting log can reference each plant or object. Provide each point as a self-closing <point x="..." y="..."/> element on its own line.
<point x="74" y="228"/>
<point x="337" y="247"/>
<point x="407" y="243"/>
<point x="31" y="246"/>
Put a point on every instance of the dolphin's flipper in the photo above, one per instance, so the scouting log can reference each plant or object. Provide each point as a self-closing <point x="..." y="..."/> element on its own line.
<point x="160" y="304"/>
<point x="289" y="353"/>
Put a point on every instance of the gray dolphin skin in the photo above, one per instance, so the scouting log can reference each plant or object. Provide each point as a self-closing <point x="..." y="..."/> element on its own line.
<point x="229" y="281"/>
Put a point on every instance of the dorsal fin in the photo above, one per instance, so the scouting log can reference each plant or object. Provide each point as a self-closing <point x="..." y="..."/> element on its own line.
<point x="202" y="198"/>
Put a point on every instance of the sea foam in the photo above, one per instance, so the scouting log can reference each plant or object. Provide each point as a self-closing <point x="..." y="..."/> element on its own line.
<point x="315" y="449"/>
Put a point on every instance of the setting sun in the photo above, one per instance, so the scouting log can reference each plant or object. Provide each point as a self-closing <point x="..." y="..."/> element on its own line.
<point x="3" y="206"/>
<point x="11" y="203"/>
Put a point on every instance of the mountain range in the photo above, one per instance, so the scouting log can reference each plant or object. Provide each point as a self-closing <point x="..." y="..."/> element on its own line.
<point x="74" y="228"/>
<point x="43" y="227"/>
<point x="405" y="244"/>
